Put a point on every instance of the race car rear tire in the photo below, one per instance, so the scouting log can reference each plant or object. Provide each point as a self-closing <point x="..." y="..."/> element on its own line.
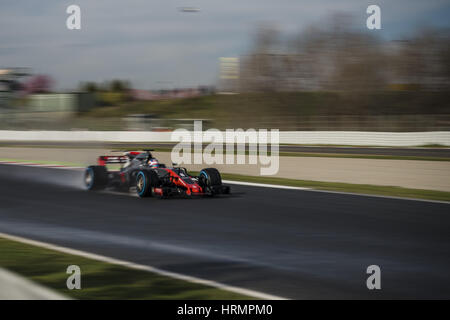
<point x="95" y="177"/>
<point x="210" y="177"/>
<point x="146" y="180"/>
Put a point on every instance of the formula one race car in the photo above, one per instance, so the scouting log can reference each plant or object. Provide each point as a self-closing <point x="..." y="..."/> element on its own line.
<point x="142" y="171"/>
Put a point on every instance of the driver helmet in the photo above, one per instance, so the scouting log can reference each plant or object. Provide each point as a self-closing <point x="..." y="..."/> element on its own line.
<point x="153" y="163"/>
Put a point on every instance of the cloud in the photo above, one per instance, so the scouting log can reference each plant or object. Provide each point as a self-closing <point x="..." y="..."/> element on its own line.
<point x="149" y="41"/>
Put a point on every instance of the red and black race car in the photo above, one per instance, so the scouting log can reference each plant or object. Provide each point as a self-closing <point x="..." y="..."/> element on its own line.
<point x="151" y="178"/>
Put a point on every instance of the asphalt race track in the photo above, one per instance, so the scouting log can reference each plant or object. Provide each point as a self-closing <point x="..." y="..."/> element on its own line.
<point x="291" y="243"/>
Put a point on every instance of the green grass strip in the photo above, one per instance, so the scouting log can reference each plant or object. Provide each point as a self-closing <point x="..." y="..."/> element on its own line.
<point x="361" y="156"/>
<point x="48" y="162"/>
<point x="281" y="154"/>
<point x="322" y="155"/>
<point x="99" y="280"/>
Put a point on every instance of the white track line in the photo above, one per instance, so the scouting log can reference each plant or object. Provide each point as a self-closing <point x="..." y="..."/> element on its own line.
<point x="380" y="196"/>
<point x="265" y="185"/>
<point x="276" y="186"/>
<point x="16" y="287"/>
<point x="132" y="265"/>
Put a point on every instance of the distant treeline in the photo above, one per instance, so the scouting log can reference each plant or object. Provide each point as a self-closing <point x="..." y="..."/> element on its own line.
<point x="337" y="56"/>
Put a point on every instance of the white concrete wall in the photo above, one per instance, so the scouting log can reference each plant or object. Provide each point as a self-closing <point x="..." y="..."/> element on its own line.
<point x="359" y="138"/>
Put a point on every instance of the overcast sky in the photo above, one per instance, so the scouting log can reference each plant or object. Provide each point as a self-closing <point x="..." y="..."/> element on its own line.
<point x="153" y="44"/>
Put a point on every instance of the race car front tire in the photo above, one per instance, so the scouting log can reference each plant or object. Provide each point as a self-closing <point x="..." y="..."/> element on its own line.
<point x="210" y="177"/>
<point x="210" y="181"/>
<point x="95" y="177"/>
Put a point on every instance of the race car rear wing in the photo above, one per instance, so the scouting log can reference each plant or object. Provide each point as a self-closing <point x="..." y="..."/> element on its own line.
<point x="104" y="160"/>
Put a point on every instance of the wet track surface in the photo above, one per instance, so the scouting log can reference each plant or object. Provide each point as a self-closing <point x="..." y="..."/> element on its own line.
<point x="291" y="243"/>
